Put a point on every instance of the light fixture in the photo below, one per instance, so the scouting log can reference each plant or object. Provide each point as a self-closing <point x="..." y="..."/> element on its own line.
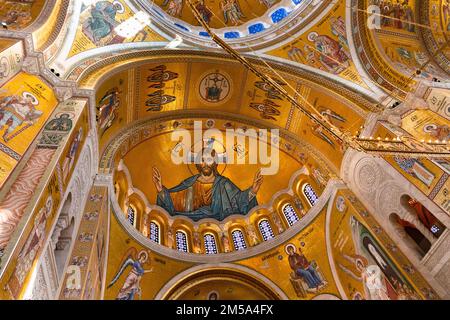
<point x="407" y="145"/>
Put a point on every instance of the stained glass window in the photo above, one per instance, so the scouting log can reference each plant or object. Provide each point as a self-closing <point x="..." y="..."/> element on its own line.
<point x="154" y="232"/>
<point x="131" y="215"/>
<point x="238" y="240"/>
<point x="181" y="240"/>
<point x="266" y="229"/>
<point x="310" y="194"/>
<point x="210" y="244"/>
<point x="290" y="214"/>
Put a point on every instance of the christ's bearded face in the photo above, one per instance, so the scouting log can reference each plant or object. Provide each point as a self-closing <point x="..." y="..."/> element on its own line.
<point x="206" y="168"/>
<point x="208" y="164"/>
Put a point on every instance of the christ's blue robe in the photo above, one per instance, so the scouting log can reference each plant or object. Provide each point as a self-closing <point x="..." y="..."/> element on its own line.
<point x="227" y="199"/>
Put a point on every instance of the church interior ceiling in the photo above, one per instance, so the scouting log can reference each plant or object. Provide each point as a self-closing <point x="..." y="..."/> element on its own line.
<point x="92" y="93"/>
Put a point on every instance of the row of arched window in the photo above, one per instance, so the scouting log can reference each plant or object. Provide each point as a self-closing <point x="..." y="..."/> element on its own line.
<point x="238" y="237"/>
<point x="210" y="241"/>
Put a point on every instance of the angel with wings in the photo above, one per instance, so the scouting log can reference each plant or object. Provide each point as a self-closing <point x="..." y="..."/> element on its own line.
<point x="131" y="286"/>
<point x="333" y="117"/>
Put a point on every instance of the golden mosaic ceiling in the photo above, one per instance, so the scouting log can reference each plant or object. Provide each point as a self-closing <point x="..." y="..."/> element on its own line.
<point x="218" y="13"/>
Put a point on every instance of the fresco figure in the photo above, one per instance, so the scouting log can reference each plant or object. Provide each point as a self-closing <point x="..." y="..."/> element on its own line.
<point x="60" y="123"/>
<point x="270" y="91"/>
<point x="360" y="271"/>
<point x="333" y="55"/>
<point x="107" y="109"/>
<point x="446" y="9"/>
<point x="416" y="169"/>
<point x="408" y="16"/>
<point x="381" y="277"/>
<point x="131" y="286"/>
<point x="268" y="109"/>
<point x="302" y="267"/>
<point x="332" y="117"/>
<point x="318" y="131"/>
<point x="157" y="99"/>
<point x="16" y="18"/>
<point x="398" y="15"/>
<point x="214" y="87"/>
<point x="440" y="132"/>
<point x="160" y="76"/>
<point x="174" y="7"/>
<point x="70" y="157"/>
<point x="204" y="11"/>
<point x="207" y="194"/>
<point x="102" y="21"/>
<point x="339" y="30"/>
<point x="231" y="11"/>
<point x="34" y="242"/>
<point x="15" y="110"/>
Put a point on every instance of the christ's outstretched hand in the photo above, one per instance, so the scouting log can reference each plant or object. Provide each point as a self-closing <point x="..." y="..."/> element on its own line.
<point x="157" y="180"/>
<point x="257" y="182"/>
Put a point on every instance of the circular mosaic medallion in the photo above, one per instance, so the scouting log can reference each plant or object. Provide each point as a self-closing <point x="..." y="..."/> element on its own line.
<point x="215" y="87"/>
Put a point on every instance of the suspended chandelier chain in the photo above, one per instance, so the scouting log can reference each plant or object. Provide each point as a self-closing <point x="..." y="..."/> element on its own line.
<point x="329" y="127"/>
<point x="406" y="146"/>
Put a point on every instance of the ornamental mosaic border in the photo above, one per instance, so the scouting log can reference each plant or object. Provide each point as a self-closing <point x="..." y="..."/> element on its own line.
<point x="166" y="56"/>
<point x="427" y="36"/>
<point x="367" y="58"/>
<point x="62" y="15"/>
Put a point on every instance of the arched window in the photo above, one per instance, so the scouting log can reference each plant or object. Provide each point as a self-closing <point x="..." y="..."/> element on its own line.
<point x="413" y="235"/>
<point x="154" y="232"/>
<point x="181" y="240"/>
<point x="210" y="243"/>
<point x="131" y="215"/>
<point x="310" y="194"/>
<point x="290" y="214"/>
<point x="425" y="217"/>
<point x="266" y="229"/>
<point x="238" y="240"/>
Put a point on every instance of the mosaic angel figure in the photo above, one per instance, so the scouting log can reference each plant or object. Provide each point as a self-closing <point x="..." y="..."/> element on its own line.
<point x="131" y="286"/>
<point x="268" y="109"/>
<point x="107" y="109"/>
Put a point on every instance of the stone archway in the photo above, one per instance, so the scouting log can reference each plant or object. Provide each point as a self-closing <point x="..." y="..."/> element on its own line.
<point x="220" y="282"/>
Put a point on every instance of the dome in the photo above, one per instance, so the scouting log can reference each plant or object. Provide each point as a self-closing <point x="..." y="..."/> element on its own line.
<point x="236" y="21"/>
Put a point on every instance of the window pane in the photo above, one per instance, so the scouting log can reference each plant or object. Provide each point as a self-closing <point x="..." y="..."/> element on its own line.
<point x="154" y="232"/>
<point x="266" y="230"/>
<point x="210" y="244"/>
<point x="238" y="240"/>
<point x="310" y="194"/>
<point x="290" y="214"/>
<point x="181" y="240"/>
<point x="131" y="215"/>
